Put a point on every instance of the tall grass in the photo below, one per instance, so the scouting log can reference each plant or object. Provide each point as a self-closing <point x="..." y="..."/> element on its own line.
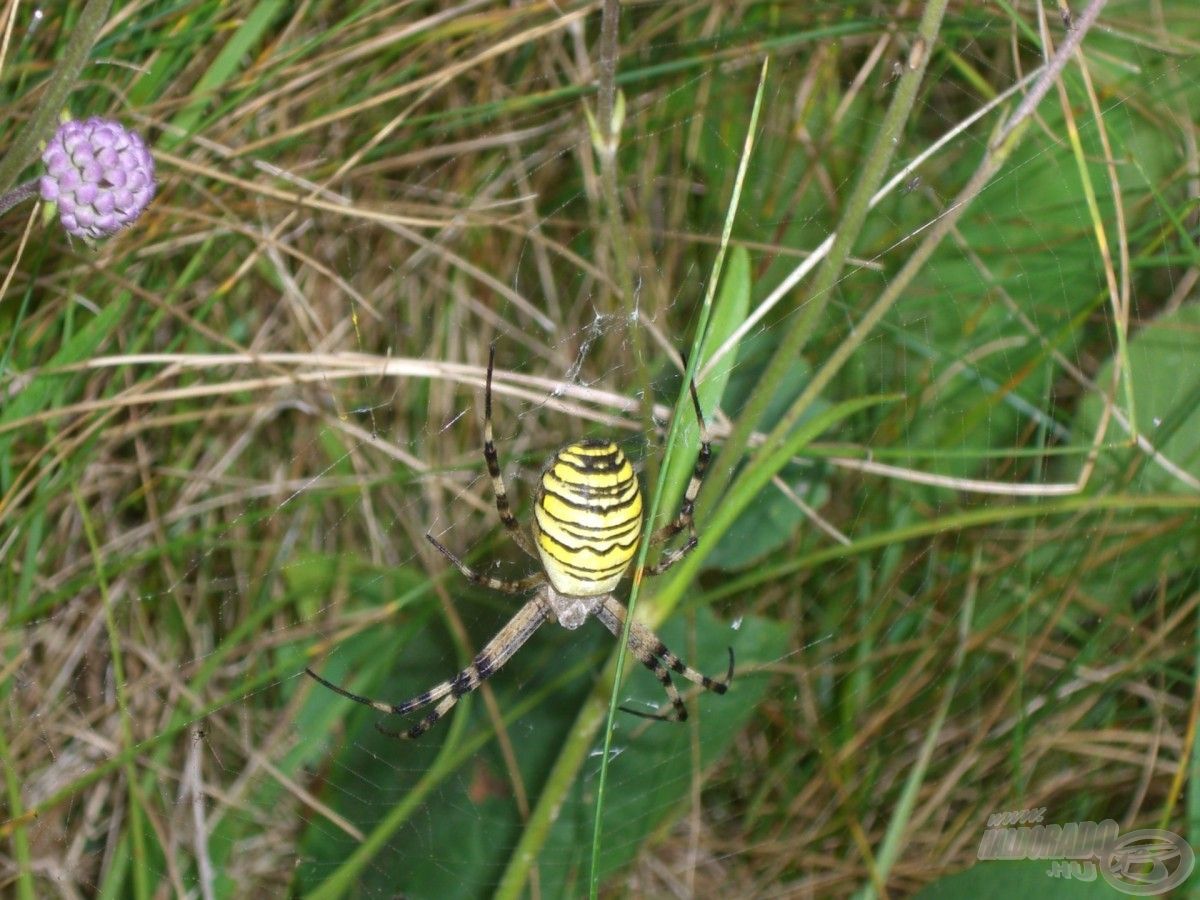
<point x="950" y="374"/>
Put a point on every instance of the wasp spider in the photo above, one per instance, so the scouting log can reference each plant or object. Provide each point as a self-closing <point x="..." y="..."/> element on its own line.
<point x="587" y="520"/>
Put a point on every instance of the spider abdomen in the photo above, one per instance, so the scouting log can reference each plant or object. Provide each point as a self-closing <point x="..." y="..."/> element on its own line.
<point x="587" y="518"/>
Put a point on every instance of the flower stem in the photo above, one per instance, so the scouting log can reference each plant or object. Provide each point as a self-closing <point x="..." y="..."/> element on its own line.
<point x="41" y="122"/>
<point x="621" y="250"/>
<point x="18" y="194"/>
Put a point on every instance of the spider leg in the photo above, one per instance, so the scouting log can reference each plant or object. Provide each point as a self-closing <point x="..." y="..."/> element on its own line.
<point x="654" y="655"/>
<point x="673" y="556"/>
<point x="688" y="507"/>
<point x="495" y="654"/>
<point x="520" y="586"/>
<point x="492" y="458"/>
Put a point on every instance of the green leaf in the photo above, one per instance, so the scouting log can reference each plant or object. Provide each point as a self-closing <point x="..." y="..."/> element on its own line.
<point x="729" y="312"/>
<point x="650" y="775"/>
<point x="457" y="842"/>
<point x="43" y="391"/>
<point x="1166" y="397"/>
<point x="746" y="377"/>
<point x="228" y="63"/>
<point x="771" y="521"/>
<point x="1004" y="879"/>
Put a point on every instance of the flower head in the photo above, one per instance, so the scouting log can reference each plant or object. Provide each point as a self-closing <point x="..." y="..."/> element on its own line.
<point x="100" y="174"/>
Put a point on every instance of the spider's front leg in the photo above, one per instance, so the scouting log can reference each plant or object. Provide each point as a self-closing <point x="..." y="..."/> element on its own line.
<point x="520" y="586"/>
<point x="686" y="516"/>
<point x="492" y="458"/>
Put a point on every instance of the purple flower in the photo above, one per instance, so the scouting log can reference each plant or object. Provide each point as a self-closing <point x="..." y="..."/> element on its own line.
<point x="100" y="174"/>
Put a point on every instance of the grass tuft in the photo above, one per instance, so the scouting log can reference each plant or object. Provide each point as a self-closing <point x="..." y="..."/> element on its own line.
<point x="951" y="373"/>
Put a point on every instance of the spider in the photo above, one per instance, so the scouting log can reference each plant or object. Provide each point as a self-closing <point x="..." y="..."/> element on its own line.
<point x="587" y="520"/>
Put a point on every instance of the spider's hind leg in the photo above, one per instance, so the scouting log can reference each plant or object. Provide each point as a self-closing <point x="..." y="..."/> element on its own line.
<point x="466" y="681"/>
<point x="495" y="654"/>
<point x="654" y="655"/>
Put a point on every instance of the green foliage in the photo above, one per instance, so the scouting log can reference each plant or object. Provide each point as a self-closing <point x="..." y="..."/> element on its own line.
<point x="729" y="311"/>
<point x="460" y="851"/>
<point x="770" y="523"/>
<point x="1165" y="379"/>
<point x="224" y="434"/>
<point x="993" y="880"/>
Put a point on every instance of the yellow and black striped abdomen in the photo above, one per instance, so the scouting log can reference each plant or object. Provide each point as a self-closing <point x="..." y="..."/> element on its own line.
<point x="587" y="518"/>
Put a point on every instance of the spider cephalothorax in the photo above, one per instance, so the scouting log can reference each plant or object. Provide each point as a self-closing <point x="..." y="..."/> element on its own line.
<point x="587" y="521"/>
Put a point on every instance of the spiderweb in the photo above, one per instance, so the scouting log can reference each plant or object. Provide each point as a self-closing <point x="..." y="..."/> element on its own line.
<point x="224" y="436"/>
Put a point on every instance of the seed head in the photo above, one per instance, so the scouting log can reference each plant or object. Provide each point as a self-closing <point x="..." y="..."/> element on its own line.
<point x="100" y="174"/>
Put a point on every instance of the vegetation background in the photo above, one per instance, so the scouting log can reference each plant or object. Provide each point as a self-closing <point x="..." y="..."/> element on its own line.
<point x="951" y="531"/>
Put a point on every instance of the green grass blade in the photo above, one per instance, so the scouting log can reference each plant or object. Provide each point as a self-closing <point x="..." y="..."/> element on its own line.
<point x="681" y="403"/>
<point x="226" y="65"/>
<point x="42" y="123"/>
